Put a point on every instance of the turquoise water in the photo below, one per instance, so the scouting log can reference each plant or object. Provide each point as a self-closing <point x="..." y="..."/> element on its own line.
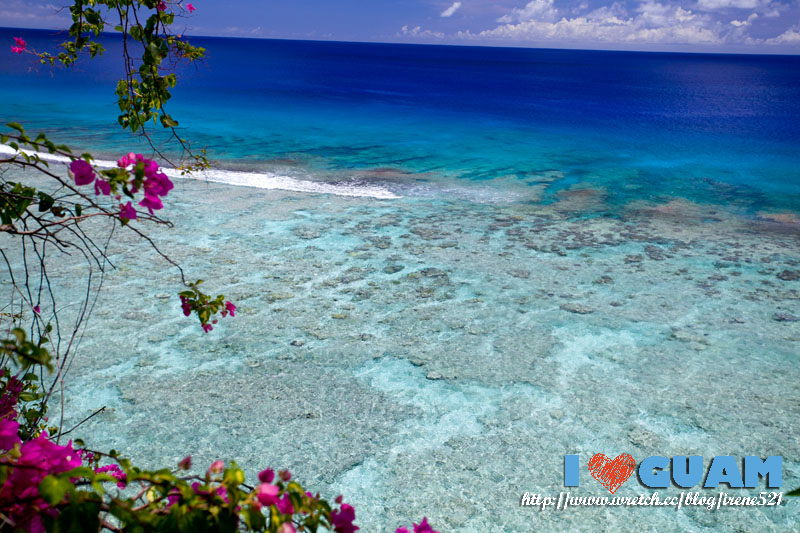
<point x="422" y="357"/>
<point x="453" y="294"/>
<point x="472" y="121"/>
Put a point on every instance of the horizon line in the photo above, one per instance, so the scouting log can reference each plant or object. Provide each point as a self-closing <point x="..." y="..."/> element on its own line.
<point x="459" y="45"/>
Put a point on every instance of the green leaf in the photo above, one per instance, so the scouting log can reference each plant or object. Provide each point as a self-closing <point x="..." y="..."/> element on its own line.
<point x="795" y="492"/>
<point x="168" y="122"/>
<point x="255" y="519"/>
<point x="45" y="201"/>
<point x="79" y="518"/>
<point x="54" y="489"/>
<point x="80" y="471"/>
<point x="30" y="396"/>
<point x="78" y="209"/>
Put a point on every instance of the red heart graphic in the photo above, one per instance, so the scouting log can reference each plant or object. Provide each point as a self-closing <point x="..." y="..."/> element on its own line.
<point x="611" y="474"/>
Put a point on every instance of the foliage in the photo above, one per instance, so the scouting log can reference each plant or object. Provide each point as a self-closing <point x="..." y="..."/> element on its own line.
<point x="149" y="52"/>
<point x="36" y="214"/>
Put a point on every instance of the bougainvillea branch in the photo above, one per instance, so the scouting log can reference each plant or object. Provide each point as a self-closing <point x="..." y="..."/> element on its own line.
<point x="76" y="211"/>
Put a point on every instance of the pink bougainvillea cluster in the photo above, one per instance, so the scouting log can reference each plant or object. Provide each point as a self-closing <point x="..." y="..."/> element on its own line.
<point x="343" y="518"/>
<point x="114" y="471"/>
<point x="143" y="174"/>
<point x="155" y="183"/>
<point x="422" y="527"/>
<point x="31" y="468"/>
<point x="195" y="301"/>
<point x="25" y="503"/>
<point x="20" y="45"/>
<point x="162" y="6"/>
<point x="10" y="397"/>
<point x="35" y="459"/>
<point x="136" y="173"/>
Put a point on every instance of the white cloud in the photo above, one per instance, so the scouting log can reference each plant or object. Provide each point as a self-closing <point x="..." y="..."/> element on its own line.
<point x="451" y="10"/>
<point x="790" y="36"/>
<point x="652" y="22"/>
<point x="713" y="5"/>
<point x="417" y="31"/>
<point x="535" y="9"/>
<point x="33" y="14"/>
<point x="241" y="31"/>
<point x="744" y="23"/>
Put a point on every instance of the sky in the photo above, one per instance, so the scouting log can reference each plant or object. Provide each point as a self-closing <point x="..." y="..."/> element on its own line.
<point x="726" y="26"/>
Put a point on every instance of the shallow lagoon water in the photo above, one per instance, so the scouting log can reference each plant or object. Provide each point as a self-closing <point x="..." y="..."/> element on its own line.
<point x="439" y="358"/>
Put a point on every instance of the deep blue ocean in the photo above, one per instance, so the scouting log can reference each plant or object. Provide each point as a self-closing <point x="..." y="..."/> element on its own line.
<point x="432" y="120"/>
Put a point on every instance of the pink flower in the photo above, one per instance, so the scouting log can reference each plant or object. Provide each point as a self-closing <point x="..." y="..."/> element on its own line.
<point x="216" y="467"/>
<point x="267" y="494"/>
<point x="86" y="456"/>
<point x="186" y="307"/>
<point x="284" y="505"/>
<point x="151" y="203"/>
<point x="266" y="476"/>
<point x="9" y="399"/>
<point x="207" y="327"/>
<point x="127" y="211"/>
<point x="127" y="160"/>
<point x="173" y="497"/>
<point x="191" y="8"/>
<point x="36" y="309"/>
<point x="229" y="308"/>
<point x="114" y="471"/>
<point x="285" y="475"/>
<point x="9" y="434"/>
<point x="82" y="172"/>
<point x="155" y="183"/>
<point x="38" y="458"/>
<point x="423" y="527"/>
<point x="185" y="463"/>
<point x="286" y="527"/>
<point x="222" y="492"/>
<point x="161" y="6"/>
<point x="343" y="519"/>
<point x="102" y="186"/>
<point x="21" y="45"/>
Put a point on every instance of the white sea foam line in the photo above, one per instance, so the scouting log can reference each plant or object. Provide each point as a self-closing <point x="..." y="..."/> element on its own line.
<point x="259" y="180"/>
